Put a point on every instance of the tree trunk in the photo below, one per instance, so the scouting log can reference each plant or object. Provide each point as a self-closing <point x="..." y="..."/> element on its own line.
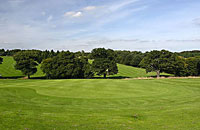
<point x="104" y="76"/>
<point x="28" y="76"/>
<point x="158" y="73"/>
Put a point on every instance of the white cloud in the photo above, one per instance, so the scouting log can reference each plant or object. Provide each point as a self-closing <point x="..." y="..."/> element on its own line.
<point x="89" y="8"/>
<point x="120" y="5"/>
<point x="69" y="13"/>
<point x="78" y="14"/>
<point x="73" y="14"/>
<point x="49" y="18"/>
<point x="111" y="10"/>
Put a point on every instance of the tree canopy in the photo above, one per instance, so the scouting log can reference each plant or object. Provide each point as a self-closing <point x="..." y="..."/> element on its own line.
<point x="158" y="61"/>
<point x="104" y="62"/>
<point x="26" y="62"/>
<point x="1" y="60"/>
<point x="193" y="66"/>
<point x="66" y="65"/>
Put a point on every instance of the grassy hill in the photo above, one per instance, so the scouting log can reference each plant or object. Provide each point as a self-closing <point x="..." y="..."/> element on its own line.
<point x="133" y="72"/>
<point x="93" y="104"/>
<point x="7" y="70"/>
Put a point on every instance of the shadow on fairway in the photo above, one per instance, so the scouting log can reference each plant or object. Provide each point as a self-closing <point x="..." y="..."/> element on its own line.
<point x="13" y="77"/>
<point x="115" y="77"/>
<point x="165" y="76"/>
<point x="21" y="77"/>
<point x="43" y="77"/>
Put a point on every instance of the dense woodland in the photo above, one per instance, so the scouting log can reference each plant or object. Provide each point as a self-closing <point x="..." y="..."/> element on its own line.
<point x="101" y="61"/>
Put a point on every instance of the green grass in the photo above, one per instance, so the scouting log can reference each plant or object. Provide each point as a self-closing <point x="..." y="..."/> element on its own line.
<point x="7" y="70"/>
<point x="100" y="104"/>
<point x="133" y="72"/>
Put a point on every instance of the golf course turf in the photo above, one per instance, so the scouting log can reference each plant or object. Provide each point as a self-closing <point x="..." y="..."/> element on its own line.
<point x="100" y="104"/>
<point x="97" y="104"/>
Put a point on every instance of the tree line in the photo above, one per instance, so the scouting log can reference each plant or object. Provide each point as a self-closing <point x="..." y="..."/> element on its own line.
<point x="101" y="61"/>
<point x="66" y="64"/>
<point x="185" y="63"/>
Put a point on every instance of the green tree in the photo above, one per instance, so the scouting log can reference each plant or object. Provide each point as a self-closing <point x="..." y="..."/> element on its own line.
<point x="66" y="65"/>
<point x="104" y="62"/>
<point x="1" y="60"/>
<point x="158" y="61"/>
<point x="25" y="62"/>
<point x="176" y="65"/>
<point x="2" y="52"/>
<point x="193" y="66"/>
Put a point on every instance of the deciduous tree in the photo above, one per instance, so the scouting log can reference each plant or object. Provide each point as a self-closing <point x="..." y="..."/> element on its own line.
<point x="104" y="62"/>
<point x="1" y="60"/>
<point x="26" y="62"/>
<point x="158" y="61"/>
<point x="66" y="65"/>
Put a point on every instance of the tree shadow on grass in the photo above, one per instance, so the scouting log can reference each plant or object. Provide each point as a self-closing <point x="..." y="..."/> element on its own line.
<point x="114" y="77"/>
<point x="21" y="77"/>
<point x="165" y="76"/>
<point x="43" y="77"/>
<point x="13" y="77"/>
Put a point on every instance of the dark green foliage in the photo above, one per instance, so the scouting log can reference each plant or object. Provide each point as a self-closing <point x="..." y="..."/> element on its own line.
<point x="129" y="58"/>
<point x="121" y="56"/>
<point x="188" y="54"/>
<point x="1" y="60"/>
<point x="2" y="52"/>
<point x="158" y="61"/>
<point x="46" y="54"/>
<point x="193" y="66"/>
<point x="178" y="67"/>
<point x="133" y="59"/>
<point x="66" y="65"/>
<point x="185" y="66"/>
<point x="104" y="62"/>
<point x="11" y="52"/>
<point x="87" y="68"/>
<point x="26" y="62"/>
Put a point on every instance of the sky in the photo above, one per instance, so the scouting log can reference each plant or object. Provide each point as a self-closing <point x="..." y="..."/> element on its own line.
<point x="75" y="25"/>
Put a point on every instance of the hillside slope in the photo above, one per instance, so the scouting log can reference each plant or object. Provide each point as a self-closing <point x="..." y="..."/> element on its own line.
<point x="7" y="70"/>
<point x="133" y="72"/>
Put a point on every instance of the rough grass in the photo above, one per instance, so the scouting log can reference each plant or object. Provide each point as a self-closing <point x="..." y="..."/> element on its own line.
<point x="100" y="104"/>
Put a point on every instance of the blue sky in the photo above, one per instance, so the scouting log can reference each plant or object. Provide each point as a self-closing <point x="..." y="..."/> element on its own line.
<point x="86" y="24"/>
